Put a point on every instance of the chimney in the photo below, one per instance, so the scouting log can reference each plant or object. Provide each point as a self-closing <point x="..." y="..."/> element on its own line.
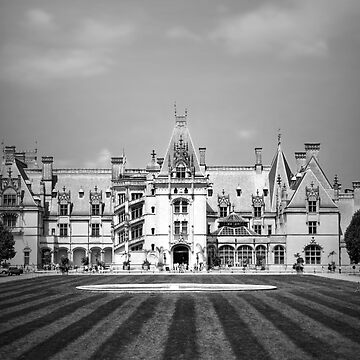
<point x="202" y="152"/>
<point x="9" y="154"/>
<point x="300" y="158"/>
<point x="47" y="168"/>
<point x="312" y="150"/>
<point x="258" y="160"/>
<point x="356" y="187"/>
<point x="117" y="167"/>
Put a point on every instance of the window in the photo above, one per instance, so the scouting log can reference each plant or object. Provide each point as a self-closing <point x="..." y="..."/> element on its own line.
<point x="223" y="211"/>
<point x="180" y="206"/>
<point x="186" y="190"/>
<point x="81" y="194"/>
<point x="53" y="232"/>
<point x="312" y="206"/>
<point x="269" y="229"/>
<point x="245" y="255"/>
<point x="136" y="212"/>
<point x="265" y="192"/>
<point x="121" y="198"/>
<point x="95" y="209"/>
<point x="121" y="236"/>
<point x="313" y="255"/>
<point x="122" y="217"/>
<point x="312" y="227"/>
<point x="63" y="209"/>
<point x="152" y="247"/>
<point x="137" y="247"/>
<point x="177" y="227"/>
<point x="153" y="209"/>
<point x="226" y="254"/>
<point x="238" y="192"/>
<point x="210" y="192"/>
<point x="95" y="230"/>
<point x="136" y="196"/>
<point x="257" y="229"/>
<point x="279" y="255"/>
<point x="63" y="229"/>
<point x="260" y="253"/>
<point x="9" y="221"/>
<point x="257" y="211"/>
<point x="152" y="192"/>
<point x="136" y="232"/>
<point x="9" y="199"/>
<point x="26" y="257"/>
<point x="152" y="231"/>
<point x="184" y="227"/>
<point x="180" y="172"/>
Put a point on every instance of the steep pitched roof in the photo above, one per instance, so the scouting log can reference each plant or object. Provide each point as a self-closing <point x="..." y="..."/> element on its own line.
<point x="181" y="148"/>
<point x="279" y="167"/>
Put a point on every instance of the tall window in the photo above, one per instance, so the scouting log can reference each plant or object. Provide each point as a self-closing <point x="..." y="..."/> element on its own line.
<point x="9" y="199"/>
<point x="223" y="211"/>
<point x="226" y="254"/>
<point x="63" y="209"/>
<point x="121" y="236"/>
<point x="136" y="196"/>
<point x="136" y="212"/>
<point x="184" y="227"/>
<point x="313" y="255"/>
<point x="121" y="217"/>
<point x="121" y="198"/>
<point x="269" y="229"/>
<point x="177" y="227"/>
<point x="312" y="206"/>
<point x="180" y="206"/>
<point x="180" y="172"/>
<point x="95" y="230"/>
<point x="9" y="221"/>
<point x="210" y="192"/>
<point x="257" y="229"/>
<point x="260" y="255"/>
<point x="257" y="211"/>
<point x="245" y="255"/>
<point x="63" y="229"/>
<point x="136" y="231"/>
<point x="312" y="227"/>
<point x="279" y="255"/>
<point x="95" y="209"/>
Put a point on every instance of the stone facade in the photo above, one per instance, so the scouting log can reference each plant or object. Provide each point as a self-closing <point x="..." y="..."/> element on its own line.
<point x="177" y="211"/>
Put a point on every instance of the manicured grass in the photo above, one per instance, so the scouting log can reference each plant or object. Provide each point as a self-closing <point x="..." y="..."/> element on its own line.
<point x="305" y="318"/>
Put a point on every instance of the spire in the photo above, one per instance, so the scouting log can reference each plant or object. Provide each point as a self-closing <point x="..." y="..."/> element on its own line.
<point x="279" y="137"/>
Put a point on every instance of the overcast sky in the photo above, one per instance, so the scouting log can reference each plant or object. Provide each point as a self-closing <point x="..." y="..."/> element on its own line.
<point x="86" y="79"/>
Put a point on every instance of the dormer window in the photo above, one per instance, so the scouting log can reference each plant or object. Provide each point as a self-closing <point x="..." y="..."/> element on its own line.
<point x="312" y="208"/>
<point x="64" y="210"/>
<point x="95" y="209"/>
<point x="81" y="193"/>
<point x="9" y="198"/>
<point x="257" y="211"/>
<point x="223" y="211"/>
<point x="180" y="172"/>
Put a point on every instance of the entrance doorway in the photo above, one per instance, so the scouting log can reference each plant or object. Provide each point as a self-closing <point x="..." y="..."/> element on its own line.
<point x="180" y="255"/>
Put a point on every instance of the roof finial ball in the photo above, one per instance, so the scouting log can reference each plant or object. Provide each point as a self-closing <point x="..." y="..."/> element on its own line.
<point x="279" y="136"/>
<point x="175" y="108"/>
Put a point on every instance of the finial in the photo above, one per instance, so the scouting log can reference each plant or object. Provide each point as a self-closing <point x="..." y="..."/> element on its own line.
<point x="64" y="188"/>
<point x="279" y="136"/>
<point x="175" y="108"/>
<point x="186" y="112"/>
<point x="279" y="179"/>
<point x="10" y="172"/>
<point x="153" y="154"/>
<point x="96" y="188"/>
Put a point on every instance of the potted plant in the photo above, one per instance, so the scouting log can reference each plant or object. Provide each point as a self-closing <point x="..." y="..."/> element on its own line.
<point x="126" y="265"/>
<point x="146" y="265"/>
<point x="299" y="264"/>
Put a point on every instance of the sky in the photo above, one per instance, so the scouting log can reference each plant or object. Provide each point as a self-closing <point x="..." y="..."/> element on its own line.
<point x="86" y="80"/>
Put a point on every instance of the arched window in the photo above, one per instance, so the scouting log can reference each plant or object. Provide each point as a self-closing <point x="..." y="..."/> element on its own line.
<point x="9" y="197"/>
<point x="245" y="255"/>
<point x="279" y="255"/>
<point x="260" y="253"/>
<point x="313" y="255"/>
<point x="226" y="254"/>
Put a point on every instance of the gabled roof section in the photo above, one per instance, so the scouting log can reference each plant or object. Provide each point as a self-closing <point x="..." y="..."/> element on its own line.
<point x="181" y="149"/>
<point x="279" y="169"/>
<point x="315" y="167"/>
<point x="310" y="180"/>
<point x="233" y="220"/>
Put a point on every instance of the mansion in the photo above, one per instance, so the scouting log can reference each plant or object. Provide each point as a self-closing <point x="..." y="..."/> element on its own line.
<point x="177" y="210"/>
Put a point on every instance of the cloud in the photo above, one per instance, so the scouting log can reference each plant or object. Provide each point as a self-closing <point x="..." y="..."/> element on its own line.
<point x="246" y="133"/>
<point x="300" y="30"/>
<point x="84" y="51"/>
<point x="39" y="18"/>
<point x="180" y="32"/>
<point x="102" y="161"/>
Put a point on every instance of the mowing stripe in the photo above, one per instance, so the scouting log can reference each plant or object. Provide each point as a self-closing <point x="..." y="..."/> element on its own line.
<point x="23" y="301"/>
<point x="341" y="327"/>
<point x="127" y="331"/>
<point x="89" y="342"/>
<point x="309" y="344"/>
<point x="237" y="331"/>
<point x="352" y="297"/>
<point x="71" y="332"/>
<point x="211" y="339"/>
<point x="29" y="309"/>
<point x="181" y="342"/>
<point x="19" y="331"/>
<point x="319" y="299"/>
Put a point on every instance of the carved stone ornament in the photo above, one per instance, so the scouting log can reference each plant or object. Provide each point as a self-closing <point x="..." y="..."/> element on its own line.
<point x="312" y="193"/>
<point x="64" y="196"/>
<point x="181" y="152"/>
<point x="257" y="200"/>
<point x="10" y="182"/>
<point x="223" y="199"/>
<point x="95" y="196"/>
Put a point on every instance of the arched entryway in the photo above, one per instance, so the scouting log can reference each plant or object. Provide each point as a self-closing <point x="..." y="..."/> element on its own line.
<point x="180" y="255"/>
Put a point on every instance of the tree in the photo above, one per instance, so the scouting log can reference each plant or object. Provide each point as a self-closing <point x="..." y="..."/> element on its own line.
<point x="352" y="238"/>
<point x="7" y="243"/>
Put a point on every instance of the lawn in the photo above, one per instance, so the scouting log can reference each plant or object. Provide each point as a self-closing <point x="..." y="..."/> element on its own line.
<point x="307" y="317"/>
